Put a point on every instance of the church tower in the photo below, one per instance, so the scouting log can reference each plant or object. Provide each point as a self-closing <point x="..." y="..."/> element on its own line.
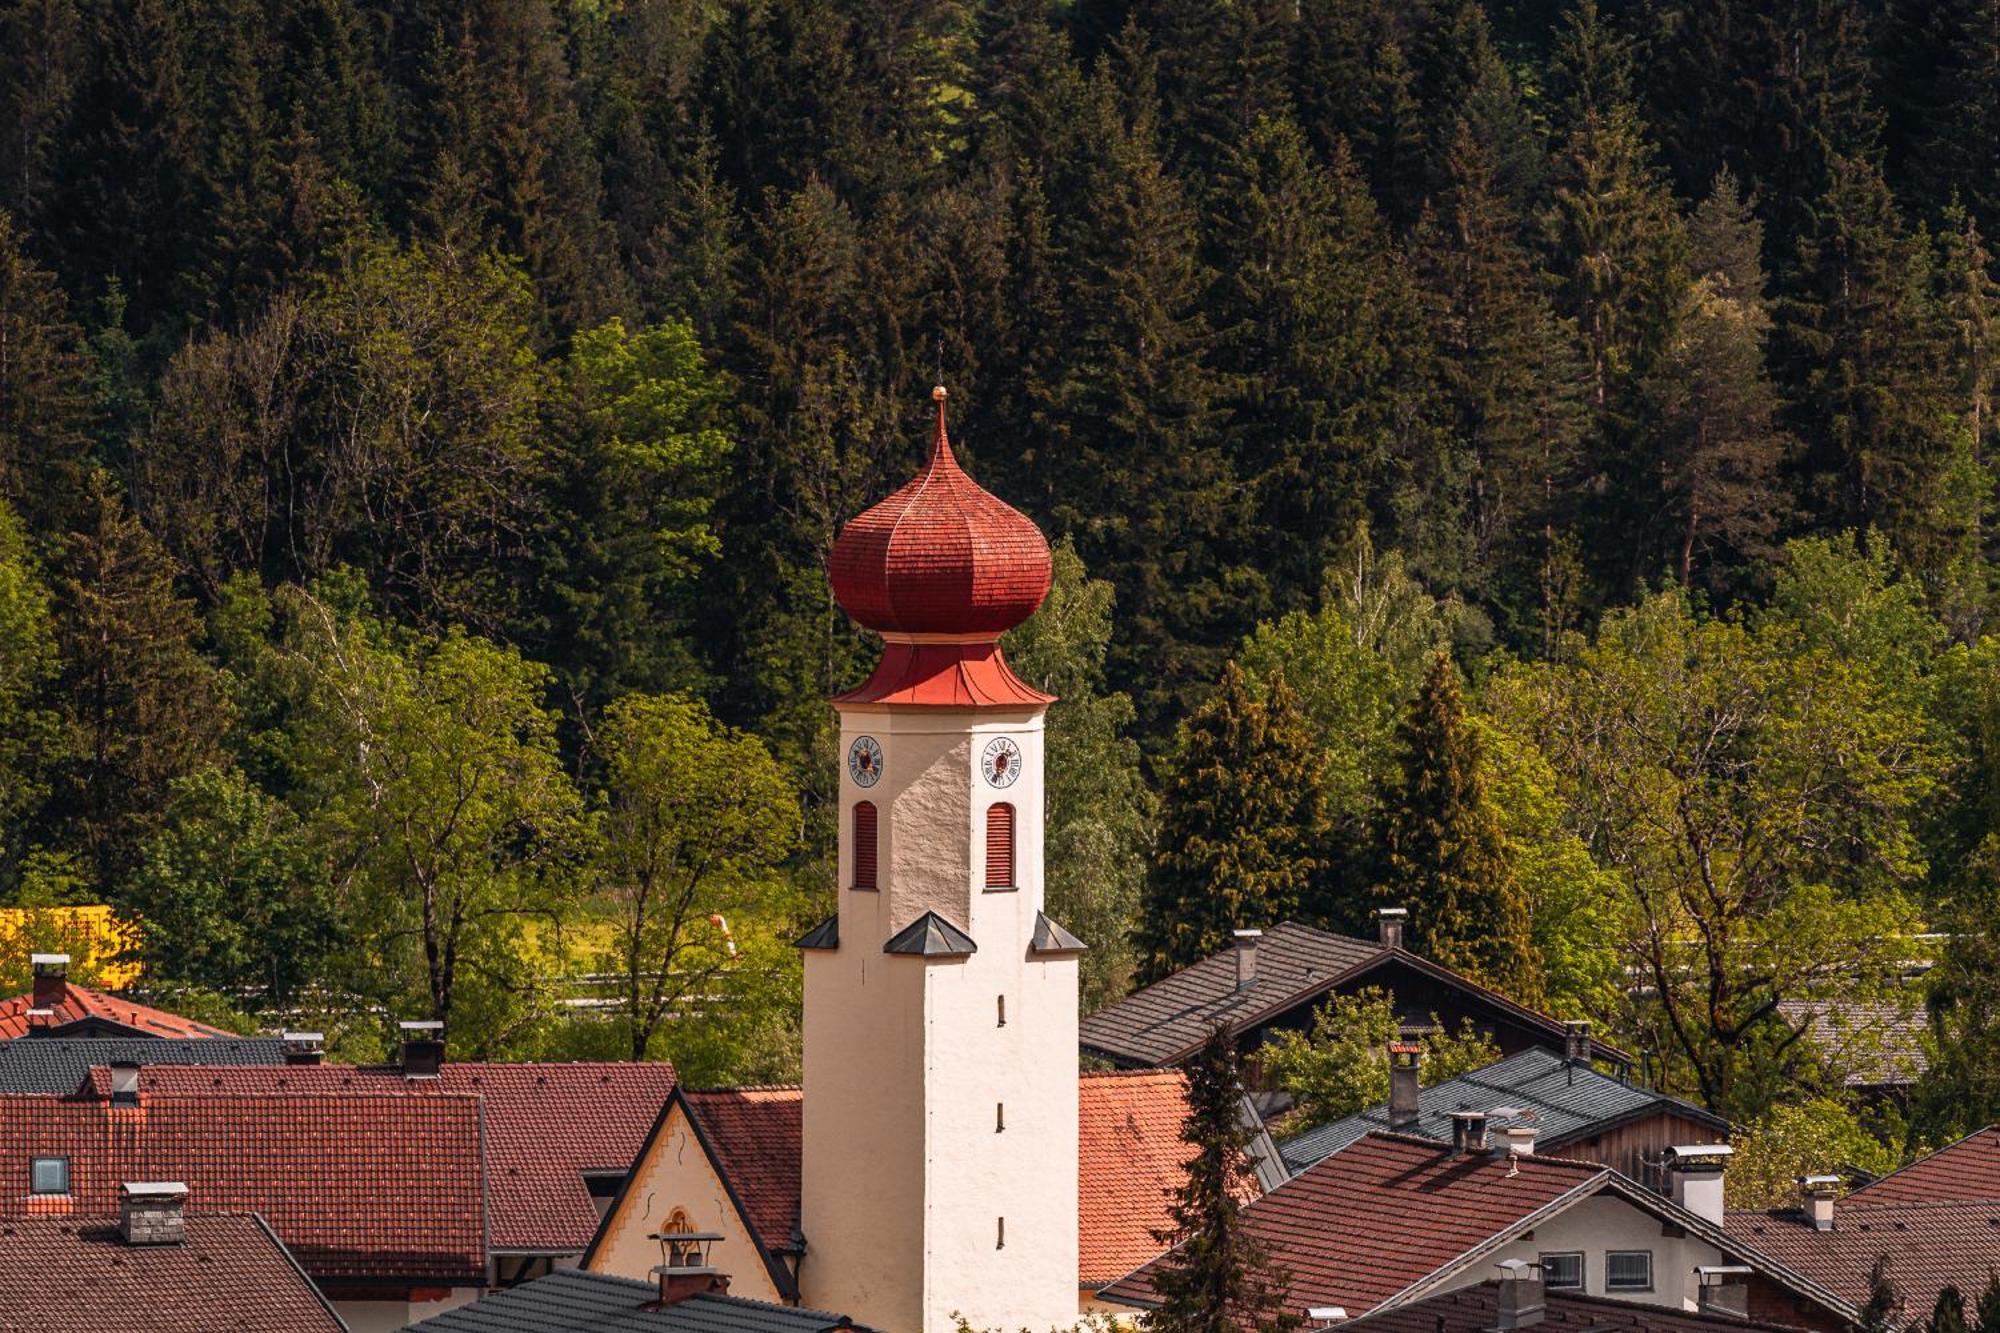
<point x="940" y="1117"/>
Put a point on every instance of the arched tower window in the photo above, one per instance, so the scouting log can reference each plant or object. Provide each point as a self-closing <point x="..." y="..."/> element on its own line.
<point x="864" y="845"/>
<point x="1000" y="846"/>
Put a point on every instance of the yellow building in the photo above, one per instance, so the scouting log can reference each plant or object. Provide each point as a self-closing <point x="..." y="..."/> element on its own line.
<point x="93" y="936"/>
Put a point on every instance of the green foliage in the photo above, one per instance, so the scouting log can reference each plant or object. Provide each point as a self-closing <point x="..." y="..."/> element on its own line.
<point x="1880" y="1312"/>
<point x="1241" y="825"/>
<point x="1948" y="1315"/>
<point x="1448" y="858"/>
<point x="1342" y="1065"/>
<point x="1218" y="1278"/>
<point x="1099" y="828"/>
<point x="27" y="659"/>
<point x="1817" y="1136"/>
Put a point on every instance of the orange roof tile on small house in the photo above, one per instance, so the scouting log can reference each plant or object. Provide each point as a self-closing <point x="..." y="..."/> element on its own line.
<point x="62" y="1008"/>
<point x="359" y="1187"/>
<point x="553" y="1130"/>
<point x="1967" y="1171"/>
<point x="1129" y="1162"/>
<point x="80" y="1275"/>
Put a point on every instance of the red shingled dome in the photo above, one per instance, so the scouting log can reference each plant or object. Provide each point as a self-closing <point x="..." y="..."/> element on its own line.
<point x="941" y="556"/>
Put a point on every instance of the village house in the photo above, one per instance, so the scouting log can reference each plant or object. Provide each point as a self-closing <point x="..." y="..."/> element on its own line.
<point x="58" y="1007"/>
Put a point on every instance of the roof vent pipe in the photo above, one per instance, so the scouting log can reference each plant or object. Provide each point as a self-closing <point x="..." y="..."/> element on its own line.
<point x="1820" y="1192"/>
<point x="1246" y="958"/>
<point x="423" y="1048"/>
<point x="1521" y="1302"/>
<point x="1405" y="1061"/>
<point x="51" y="979"/>
<point x="1389" y="925"/>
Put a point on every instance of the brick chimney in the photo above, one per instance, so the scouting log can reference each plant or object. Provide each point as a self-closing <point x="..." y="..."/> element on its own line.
<point x="51" y="979"/>
<point x="1389" y="925"/>
<point x="1520" y="1302"/>
<point x="1820" y="1192"/>
<point x="1405" y="1060"/>
<point x="304" y="1048"/>
<point x="1576" y="1041"/>
<point x="125" y="1084"/>
<point x="1696" y="1171"/>
<point x="153" y="1213"/>
<point x="1468" y="1132"/>
<point x="1246" y="958"/>
<point x="423" y="1048"/>
<point x="686" y="1271"/>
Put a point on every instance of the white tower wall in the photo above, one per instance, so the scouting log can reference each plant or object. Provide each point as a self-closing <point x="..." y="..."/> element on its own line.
<point x="927" y="1120"/>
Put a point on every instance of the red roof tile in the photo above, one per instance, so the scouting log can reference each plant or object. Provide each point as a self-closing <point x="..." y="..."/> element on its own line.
<point x="1474" y="1310"/>
<point x="1929" y="1246"/>
<point x="81" y="1002"/>
<point x="76" y="1276"/>
<point x="1128" y="1161"/>
<point x="1966" y="1171"/>
<point x="1327" y="1227"/>
<point x="357" y="1186"/>
<point x="546" y="1125"/>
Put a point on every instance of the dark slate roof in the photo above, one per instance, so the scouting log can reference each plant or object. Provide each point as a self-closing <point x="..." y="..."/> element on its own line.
<point x="931" y="936"/>
<point x="1167" y="1021"/>
<point x="826" y="935"/>
<point x="1563" y="1101"/>
<point x="1051" y="938"/>
<point x="63" y="1064"/>
<point x="570" y="1300"/>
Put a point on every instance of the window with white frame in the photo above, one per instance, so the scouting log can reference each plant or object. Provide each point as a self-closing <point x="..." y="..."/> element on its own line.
<point x="1563" y="1271"/>
<point x="49" y="1175"/>
<point x="1628" y="1270"/>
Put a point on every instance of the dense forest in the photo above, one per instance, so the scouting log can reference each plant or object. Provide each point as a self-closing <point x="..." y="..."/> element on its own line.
<point x="1532" y="463"/>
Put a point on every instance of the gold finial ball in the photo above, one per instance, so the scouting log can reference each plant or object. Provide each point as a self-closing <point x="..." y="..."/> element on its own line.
<point x="938" y="394"/>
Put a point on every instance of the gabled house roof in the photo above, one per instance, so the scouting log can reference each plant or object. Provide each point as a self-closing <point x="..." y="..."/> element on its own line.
<point x="1565" y="1100"/>
<point x="1129" y="1161"/>
<point x="1166" y="1022"/>
<point x="359" y="1187"/>
<point x="86" y="1012"/>
<point x="1879" y="1045"/>
<point x="1392" y="1218"/>
<point x="572" y="1301"/>
<point x="1929" y="1245"/>
<point x="1475" y="1310"/>
<point x="1967" y="1171"/>
<point x="548" y="1126"/>
<point x="63" y="1064"/>
<point x="76" y="1275"/>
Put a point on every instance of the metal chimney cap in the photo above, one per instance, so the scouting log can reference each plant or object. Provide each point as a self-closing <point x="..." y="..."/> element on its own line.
<point x="1723" y="1270"/>
<point x="1392" y="913"/>
<point x="1820" y="1182"/>
<point x="1242" y="935"/>
<point x="1326" y="1314"/>
<point x="1516" y="1268"/>
<point x="154" y="1189"/>
<point x="1714" y="1153"/>
<point x="41" y="1013"/>
<point x="49" y="959"/>
<point x="305" y="1036"/>
<point x="422" y="1025"/>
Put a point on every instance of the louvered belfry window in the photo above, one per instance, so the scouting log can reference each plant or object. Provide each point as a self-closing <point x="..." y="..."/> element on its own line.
<point x="1000" y="846"/>
<point x="864" y="845"/>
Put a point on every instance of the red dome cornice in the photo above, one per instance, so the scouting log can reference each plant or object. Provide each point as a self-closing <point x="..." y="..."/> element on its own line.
<point x="941" y="569"/>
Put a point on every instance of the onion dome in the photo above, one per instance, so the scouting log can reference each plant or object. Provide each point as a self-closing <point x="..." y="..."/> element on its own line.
<point x="940" y="557"/>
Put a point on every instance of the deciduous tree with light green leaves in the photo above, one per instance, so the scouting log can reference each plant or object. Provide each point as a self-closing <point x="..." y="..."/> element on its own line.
<point x="691" y="827"/>
<point x="1342" y="1065"/>
<point x="1817" y="1136"/>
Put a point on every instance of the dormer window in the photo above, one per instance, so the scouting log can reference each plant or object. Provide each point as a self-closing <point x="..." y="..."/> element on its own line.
<point x="1000" y="846"/>
<point x="864" y="845"/>
<point x="49" y="1175"/>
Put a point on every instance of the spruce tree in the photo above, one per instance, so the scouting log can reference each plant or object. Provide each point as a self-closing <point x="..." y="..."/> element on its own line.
<point x="1242" y="824"/>
<point x="1987" y="1314"/>
<point x="45" y="396"/>
<point x="1218" y="1277"/>
<point x="1948" y="1315"/>
<point x="1881" y="1311"/>
<point x="1448" y="859"/>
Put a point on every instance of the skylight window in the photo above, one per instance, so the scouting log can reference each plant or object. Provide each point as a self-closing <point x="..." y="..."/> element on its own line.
<point x="49" y="1175"/>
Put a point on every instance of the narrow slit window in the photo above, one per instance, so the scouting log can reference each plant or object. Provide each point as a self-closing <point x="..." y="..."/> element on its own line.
<point x="864" y="845"/>
<point x="999" y="1117"/>
<point x="1000" y="1236"/>
<point x="1003" y="1011"/>
<point x="1000" y="846"/>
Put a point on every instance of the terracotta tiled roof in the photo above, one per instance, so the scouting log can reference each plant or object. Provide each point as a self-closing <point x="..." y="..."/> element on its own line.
<point x="357" y="1186"/>
<point x="1128" y="1161"/>
<point x="940" y="556"/>
<point x="1871" y="1045"/>
<point x="1167" y="1021"/>
<point x="1387" y="1212"/>
<point x="1929" y="1246"/>
<point x="546" y="1126"/>
<point x="1474" y="1309"/>
<point x="80" y="1003"/>
<point x="1965" y="1172"/>
<point x="63" y="1275"/>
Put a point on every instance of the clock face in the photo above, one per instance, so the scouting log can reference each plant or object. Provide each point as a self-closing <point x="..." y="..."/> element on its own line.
<point x="864" y="761"/>
<point x="1001" y="762"/>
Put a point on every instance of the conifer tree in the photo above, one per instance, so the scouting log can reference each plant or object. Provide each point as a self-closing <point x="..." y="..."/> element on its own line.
<point x="1940" y="67"/>
<point x="45" y="398"/>
<point x="1948" y="1315"/>
<point x="1987" y="1314"/>
<point x="1879" y="1313"/>
<point x="1241" y="828"/>
<point x="1218" y="1278"/>
<point x="1448" y="860"/>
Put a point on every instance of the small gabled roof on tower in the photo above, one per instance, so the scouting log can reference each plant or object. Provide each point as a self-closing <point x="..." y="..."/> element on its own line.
<point x="826" y="935"/>
<point x="1051" y="938"/>
<point x="931" y="936"/>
